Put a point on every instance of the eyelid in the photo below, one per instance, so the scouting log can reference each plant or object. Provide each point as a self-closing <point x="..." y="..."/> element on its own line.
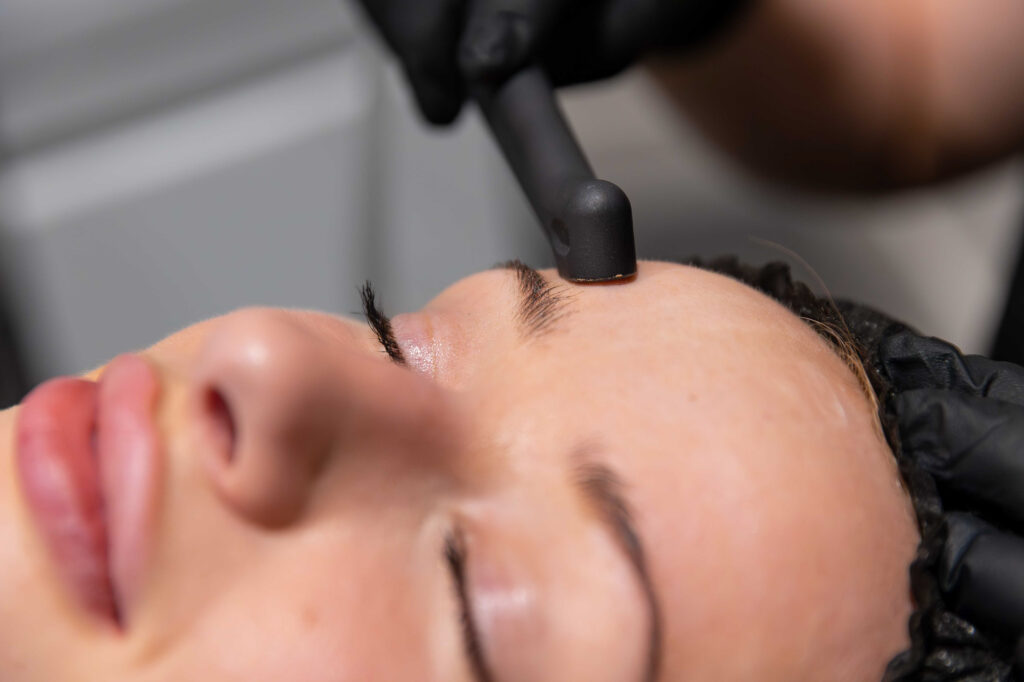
<point x="416" y="336"/>
<point x="455" y="556"/>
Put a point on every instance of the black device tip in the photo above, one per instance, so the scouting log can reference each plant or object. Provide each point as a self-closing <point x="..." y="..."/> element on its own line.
<point x="592" y="234"/>
<point x="588" y="221"/>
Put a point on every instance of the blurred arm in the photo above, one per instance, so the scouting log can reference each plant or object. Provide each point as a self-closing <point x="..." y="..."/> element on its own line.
<point x="861" y="94"/>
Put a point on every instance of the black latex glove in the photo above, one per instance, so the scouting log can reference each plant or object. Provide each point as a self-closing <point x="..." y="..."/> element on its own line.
<point x="445" y="44"/>
<point x="962" y="419"/>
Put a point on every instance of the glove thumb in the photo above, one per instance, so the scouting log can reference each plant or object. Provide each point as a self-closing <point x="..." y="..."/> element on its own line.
<point x="502" y="36"/>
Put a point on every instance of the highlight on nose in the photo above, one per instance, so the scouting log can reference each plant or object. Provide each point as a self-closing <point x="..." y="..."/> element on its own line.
<point x="265" y="413"/>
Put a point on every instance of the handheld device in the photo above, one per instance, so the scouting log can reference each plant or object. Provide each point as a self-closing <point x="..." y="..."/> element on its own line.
<point x="588" y="222"/>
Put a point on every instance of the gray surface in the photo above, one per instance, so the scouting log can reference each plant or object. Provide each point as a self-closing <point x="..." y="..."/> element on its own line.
<point x="68" y="67"/>
<point x="255" y="196"/>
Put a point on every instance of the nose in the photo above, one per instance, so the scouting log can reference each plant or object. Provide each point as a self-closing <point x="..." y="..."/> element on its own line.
<point x="280" y="400"/>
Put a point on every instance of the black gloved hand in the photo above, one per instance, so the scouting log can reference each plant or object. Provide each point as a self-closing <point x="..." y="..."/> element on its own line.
<point x="962" y="419"/>
<point x="443" y="44"/>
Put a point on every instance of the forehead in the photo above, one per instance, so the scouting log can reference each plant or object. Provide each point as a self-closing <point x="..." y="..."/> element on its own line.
<point x="675" y="328"/>
<point x="746" y="443"/>
<point x="680" y="356"/>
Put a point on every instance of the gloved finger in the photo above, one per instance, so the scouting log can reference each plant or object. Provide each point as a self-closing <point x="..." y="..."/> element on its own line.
<point x="973" y="446"/>
<point x="502" y="36"/>
<point x="601" y="41"/>
<point x="611" y="35"/>
<point x="439" y="94"/>
<point x="981" y="571"/>
<point x="425" y="39"/>
<point x="913" y="361"/>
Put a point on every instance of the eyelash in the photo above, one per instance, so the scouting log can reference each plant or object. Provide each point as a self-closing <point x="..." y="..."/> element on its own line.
<point x="380" y="324"/>
<point x="455" y="557"/>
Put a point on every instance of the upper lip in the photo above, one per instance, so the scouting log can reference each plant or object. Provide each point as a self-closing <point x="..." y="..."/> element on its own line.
<point x="86" y="458"/>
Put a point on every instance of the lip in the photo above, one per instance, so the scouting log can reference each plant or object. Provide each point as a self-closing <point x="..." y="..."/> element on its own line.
<point x="87" y="458"/>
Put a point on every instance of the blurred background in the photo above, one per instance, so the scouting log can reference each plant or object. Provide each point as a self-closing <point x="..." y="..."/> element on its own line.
<point x="164" y="161"/>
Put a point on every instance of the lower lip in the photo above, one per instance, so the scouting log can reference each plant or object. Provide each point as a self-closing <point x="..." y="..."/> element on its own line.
<point x="87" y="462"/>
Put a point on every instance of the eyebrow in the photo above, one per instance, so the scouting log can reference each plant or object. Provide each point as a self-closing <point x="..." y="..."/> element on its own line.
<point x="541" y="303"/>
<point x="602" y="488"/>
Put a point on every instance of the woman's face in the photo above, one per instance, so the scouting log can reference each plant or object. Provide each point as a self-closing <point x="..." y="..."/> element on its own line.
<point x="676" y="469"/>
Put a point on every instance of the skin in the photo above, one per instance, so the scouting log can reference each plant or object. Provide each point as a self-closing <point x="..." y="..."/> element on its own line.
<point x="860" y="94"/>
<point x="778" y="536"/>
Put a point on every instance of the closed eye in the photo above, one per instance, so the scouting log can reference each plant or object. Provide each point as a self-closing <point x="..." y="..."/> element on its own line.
<point x="380" y="324"/>
<point x="455" y="556"/>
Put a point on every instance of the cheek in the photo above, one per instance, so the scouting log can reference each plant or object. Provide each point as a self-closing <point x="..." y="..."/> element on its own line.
<point x="324" y="604"/>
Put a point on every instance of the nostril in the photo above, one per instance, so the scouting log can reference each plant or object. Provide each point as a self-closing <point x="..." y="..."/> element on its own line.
<point x="220" y="422"/>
